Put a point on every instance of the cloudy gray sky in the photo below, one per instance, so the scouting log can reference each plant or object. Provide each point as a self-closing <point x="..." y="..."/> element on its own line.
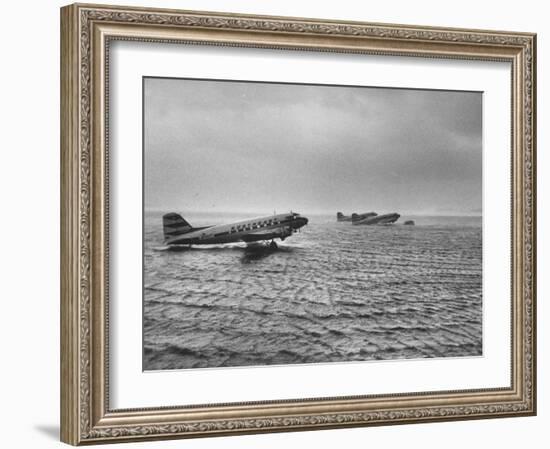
<point x="259" y="147"/>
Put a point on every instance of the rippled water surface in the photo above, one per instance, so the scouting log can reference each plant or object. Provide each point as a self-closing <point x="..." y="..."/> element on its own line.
<point x="332" y="293"/>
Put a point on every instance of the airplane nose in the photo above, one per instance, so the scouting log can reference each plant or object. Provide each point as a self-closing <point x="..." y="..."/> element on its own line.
<point x="299" y="222"/>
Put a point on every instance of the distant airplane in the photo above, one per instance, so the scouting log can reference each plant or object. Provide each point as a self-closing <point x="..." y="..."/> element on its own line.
<point x="177" y="231"/>
<point x="377" y="219"/>
<point x="354" y="217"/>
<point x="359" y="217"/>
<point x="341" y="217"/>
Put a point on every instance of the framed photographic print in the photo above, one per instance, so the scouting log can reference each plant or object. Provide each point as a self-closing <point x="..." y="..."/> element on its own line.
<point x="280" y="224"/>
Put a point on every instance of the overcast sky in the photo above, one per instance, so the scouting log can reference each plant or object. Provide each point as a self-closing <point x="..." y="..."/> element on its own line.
<point x="259" y="147"/>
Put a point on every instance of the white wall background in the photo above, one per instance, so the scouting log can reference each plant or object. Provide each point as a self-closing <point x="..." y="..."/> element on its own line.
<point x="29" y="228"/>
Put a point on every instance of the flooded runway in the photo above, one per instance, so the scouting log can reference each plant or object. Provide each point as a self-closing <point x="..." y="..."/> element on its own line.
<point x="331" y="293"/>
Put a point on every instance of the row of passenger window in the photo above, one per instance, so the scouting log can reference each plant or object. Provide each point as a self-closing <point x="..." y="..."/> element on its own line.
<point x="250" y="226"/>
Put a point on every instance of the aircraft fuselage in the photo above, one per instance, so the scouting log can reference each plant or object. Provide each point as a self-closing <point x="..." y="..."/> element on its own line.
<point x="253" y="230"/>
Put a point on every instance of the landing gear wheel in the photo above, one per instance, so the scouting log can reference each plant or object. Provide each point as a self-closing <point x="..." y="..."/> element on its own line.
<point x="273" y="245"/>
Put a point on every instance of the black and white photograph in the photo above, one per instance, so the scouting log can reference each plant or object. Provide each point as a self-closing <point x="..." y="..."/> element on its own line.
<point x="288" y="223"/>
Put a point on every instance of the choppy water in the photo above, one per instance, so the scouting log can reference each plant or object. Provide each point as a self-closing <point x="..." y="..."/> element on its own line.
<point x="332" y="293"/>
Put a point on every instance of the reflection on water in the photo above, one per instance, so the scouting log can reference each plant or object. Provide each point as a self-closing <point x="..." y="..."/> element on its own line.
<point x="333" y="292"/>
<point x="257" y="252"/>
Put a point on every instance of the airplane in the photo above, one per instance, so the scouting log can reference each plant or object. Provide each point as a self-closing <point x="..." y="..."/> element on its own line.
<point x="341" y="217"/>
<point x="359" y="217"/>
<point x="377" y="219"/>
<point x="354" y="217"/>
<point x="177" y="231"/>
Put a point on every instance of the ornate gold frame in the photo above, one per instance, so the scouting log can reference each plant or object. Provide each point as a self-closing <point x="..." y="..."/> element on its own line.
<point x="86" y="31"/>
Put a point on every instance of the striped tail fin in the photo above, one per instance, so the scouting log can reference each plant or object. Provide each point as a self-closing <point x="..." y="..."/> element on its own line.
<point x="174" y="225"/>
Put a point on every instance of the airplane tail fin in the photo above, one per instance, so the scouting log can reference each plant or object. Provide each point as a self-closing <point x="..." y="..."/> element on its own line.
<point x="174" y="225"/>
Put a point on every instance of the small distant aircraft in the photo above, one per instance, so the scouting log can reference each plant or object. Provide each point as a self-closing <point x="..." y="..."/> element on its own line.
<point x="377" y="219"/>
<point x="177" y="231"/>
<point x="354" y="217"/>
<point x="341" y="217"/>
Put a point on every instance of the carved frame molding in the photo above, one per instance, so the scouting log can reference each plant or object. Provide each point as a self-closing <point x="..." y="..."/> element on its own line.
<point x="87" y="31"/>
